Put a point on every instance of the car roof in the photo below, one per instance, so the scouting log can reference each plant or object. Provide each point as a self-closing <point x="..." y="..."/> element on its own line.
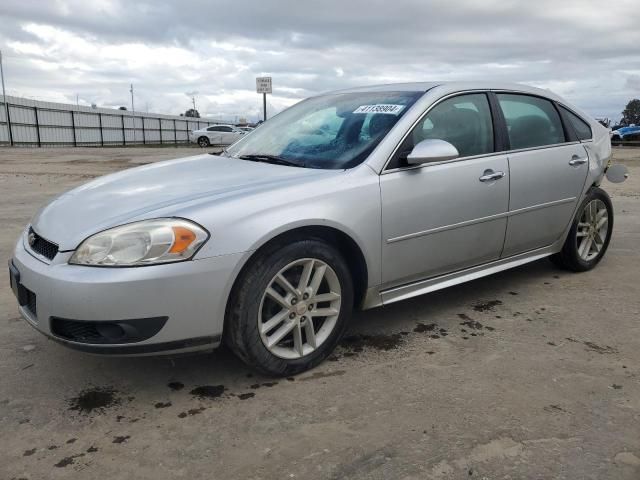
<point x="449" y="86"/>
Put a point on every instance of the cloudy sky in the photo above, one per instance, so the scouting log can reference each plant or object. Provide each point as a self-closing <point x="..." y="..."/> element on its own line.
<point x="585" y="50"/>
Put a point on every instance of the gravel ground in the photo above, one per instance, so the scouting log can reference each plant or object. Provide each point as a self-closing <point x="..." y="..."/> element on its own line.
<point x="530" y="373"/>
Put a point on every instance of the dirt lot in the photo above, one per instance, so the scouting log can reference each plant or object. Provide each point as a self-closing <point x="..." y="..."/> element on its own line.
<point x="532" y="373"/>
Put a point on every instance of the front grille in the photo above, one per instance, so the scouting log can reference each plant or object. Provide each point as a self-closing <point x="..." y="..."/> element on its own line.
<point x="76" y="331"/>
<point x="31" y="303"/>
<point x="42" y="246"/>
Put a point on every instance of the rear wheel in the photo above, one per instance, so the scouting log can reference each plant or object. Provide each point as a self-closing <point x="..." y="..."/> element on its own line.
<point x="290" y="307"/>
<point x="590" y="233"/>
<point x="204" y="142"/>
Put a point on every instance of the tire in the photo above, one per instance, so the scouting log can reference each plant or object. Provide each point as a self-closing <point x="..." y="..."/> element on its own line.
<point x="573" y="256"/>
<point x="204" y="142"/>
<point x="250" y="307"/>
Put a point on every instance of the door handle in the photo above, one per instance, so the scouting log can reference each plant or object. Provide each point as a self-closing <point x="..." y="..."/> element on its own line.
<point x="576" y="160"/>
<point x="490" y="176"/>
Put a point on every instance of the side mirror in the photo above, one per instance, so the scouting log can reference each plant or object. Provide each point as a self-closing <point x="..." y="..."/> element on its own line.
<point x="432" y="150"/>
<point x="617" y="173"/>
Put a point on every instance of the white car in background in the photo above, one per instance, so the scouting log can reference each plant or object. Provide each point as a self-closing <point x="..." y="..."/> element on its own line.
<point x="216" y="135"/>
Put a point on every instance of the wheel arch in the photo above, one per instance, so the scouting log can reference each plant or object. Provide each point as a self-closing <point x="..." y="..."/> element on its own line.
<point x="343" y="242"/>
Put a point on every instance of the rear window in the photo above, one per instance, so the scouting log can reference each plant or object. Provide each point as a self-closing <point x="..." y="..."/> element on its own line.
<point x="582" y="128"/>
<point x="531" y="121"/>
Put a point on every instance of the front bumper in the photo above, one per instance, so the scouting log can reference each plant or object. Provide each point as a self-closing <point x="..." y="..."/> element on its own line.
<point x="190" y="296"/>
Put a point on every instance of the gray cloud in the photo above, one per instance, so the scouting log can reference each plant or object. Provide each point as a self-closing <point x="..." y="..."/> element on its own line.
<point x="581" y="49"/>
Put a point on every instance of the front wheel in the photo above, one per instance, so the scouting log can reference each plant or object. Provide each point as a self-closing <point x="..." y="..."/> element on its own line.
<point x="290" y="307"/>
<point x="204" y="142"/>
<point x="590" y="233"/>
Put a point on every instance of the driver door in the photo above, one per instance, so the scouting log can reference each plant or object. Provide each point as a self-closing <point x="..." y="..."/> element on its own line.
<point x="446" y="216"/>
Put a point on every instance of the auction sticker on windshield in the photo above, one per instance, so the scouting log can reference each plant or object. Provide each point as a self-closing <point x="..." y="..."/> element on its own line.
<point x="380" y="108"/>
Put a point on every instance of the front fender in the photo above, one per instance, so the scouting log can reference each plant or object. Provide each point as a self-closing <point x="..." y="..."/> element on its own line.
<point x="348" y="201"/>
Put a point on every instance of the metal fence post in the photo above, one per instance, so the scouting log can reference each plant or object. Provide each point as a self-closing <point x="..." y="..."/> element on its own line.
<point x="100" y="125"/>
<point x="73" y="129"/>
<point x="144" y="137"/>
<point x="124" y="136"/>
<point x="175" y="132"/>
<point x="160" y="126"/>
<point x="35" y="111"/>
<point x="7" y="108"/>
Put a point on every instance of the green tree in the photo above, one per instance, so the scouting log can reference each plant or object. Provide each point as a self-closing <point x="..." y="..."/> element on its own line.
<point x="192" y="113"/>
<point x="631" y="114"/>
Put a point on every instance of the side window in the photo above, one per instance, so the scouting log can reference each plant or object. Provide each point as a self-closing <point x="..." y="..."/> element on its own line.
<point x="464" y="121"/>
<point x="213" y="129"/>
<point x="531" y="121"/>
<point x="582" y="128"/>
<point x="226" y="129"/>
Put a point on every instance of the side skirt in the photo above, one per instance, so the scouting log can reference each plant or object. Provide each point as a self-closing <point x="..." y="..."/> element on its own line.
<point x="376" y="297"/>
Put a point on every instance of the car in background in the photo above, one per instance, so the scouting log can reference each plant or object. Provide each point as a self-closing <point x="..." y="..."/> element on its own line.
<point x="216" y="135"/>
<point x="632" y="132"/>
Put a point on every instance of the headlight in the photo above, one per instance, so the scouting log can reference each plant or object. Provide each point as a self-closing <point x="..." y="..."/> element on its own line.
<point x="149" y="242"/>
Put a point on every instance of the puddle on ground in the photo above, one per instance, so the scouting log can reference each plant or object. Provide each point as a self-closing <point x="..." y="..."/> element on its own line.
<point x="95" y="400"/>
<point x="488" y="306"/>
<point x="208" y="391"/>
<point x="191" y="412"/>
<point x="65" y="462"/>
<point x="255" y="386"/>
<point x="175" y="386"/>
<point x="595" y="347"/>
<point x="421" y="327"/>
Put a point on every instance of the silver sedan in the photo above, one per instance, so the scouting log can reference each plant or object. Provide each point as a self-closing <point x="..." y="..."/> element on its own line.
<point x="352" y="199"/>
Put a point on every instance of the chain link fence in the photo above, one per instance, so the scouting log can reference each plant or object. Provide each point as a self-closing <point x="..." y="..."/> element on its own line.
<point x="36" y="123"/>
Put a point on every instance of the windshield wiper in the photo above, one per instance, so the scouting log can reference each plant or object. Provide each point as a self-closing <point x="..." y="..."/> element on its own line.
<point x="258" y="157"/>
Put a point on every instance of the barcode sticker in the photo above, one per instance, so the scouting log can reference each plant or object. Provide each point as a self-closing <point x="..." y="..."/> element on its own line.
<point x="387" y="108"/>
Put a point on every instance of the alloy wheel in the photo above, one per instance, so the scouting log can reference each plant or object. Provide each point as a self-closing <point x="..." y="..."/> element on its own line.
<point x="592" y="230"/>
<point x="299" y="308"/>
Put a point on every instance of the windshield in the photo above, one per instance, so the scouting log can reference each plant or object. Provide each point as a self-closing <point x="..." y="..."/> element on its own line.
<point x="330" y="132"/>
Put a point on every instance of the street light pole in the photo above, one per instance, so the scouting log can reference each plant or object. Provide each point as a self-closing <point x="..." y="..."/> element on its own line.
<point x="133" y="115"/>
<point x="4" y="100"/>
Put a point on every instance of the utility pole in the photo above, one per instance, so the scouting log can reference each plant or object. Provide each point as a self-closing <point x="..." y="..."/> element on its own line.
<point x="77" y="100"/>
<point x="193" y="99"/>
<point x="4" y="100"/>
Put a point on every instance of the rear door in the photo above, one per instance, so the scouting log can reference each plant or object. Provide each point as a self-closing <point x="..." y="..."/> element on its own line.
<point x="548" y="171"/>
<point x="445" y="216"/>
<point x="214" y="134"/>
<point x="228" y="136"/>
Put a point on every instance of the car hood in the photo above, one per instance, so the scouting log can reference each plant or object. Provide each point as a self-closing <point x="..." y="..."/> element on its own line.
<point x="136" y="193"/>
